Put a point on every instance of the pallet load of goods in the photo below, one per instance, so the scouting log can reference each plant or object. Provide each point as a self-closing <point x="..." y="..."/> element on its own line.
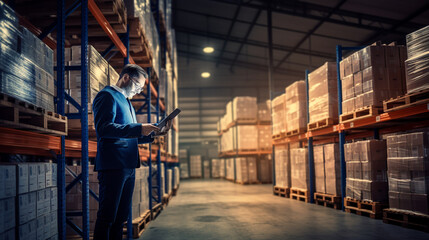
<point x="184" y="163"/>
<point x="370" y="76"/>
<point x="28" y="201"/>
<point x="245" y="138"/>
<point x="196" y="166"/>
<point x="27" y="86"/>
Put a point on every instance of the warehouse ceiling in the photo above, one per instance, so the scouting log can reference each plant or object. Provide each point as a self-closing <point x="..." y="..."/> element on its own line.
<point x="305" y="33"/>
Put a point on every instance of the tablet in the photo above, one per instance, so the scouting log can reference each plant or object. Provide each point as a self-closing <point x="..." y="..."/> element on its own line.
<point x="172" y="115"/>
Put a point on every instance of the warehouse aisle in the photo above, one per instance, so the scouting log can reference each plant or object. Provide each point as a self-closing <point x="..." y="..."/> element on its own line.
<point x="218" y="209"/>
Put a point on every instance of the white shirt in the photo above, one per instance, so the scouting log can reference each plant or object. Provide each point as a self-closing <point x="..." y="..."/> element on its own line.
<point x="119" y="90"/>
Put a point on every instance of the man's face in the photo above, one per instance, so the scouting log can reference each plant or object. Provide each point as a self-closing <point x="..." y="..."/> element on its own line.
<point x="135" y="86"/>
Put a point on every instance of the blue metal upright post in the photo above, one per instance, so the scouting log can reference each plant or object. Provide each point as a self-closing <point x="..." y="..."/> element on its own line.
<point x="342" y="134"/>
<point x="149" y="159"/>
<point x="61" y="184"/>
<point x="84" y="119"/>
<point x="310" y="147"/>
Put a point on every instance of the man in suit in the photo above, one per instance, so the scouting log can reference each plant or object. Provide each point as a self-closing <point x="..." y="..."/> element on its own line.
<point x="118" y="136"/>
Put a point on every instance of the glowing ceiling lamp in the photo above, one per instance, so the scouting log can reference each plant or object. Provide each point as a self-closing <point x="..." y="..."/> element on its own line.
<point x="208" y="49"/>
<point x="205" y="74"/>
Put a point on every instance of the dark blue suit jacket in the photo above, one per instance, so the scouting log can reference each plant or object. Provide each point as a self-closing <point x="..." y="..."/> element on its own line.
<point x="118" y="133"/>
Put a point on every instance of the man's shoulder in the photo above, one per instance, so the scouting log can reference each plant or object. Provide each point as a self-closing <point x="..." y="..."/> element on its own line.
<point x="108" y="91"/>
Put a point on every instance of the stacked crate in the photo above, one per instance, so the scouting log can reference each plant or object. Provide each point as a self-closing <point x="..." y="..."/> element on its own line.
<point x="327" y="169"/>
<point x="265" y="169"/>
<point x="26" y="63"/>
<point x="366" y="170"/>
<point x="246" y="170"/>
<point x="300" y="175"/>
<point x="98" y="75"/>
<point x="371" y="75"/>
<point x="264" y="112"/>
<point x="278" y="116"/>
<point x="196" y="166"/>
<point x="28" y="201"/>
<point x="417" y="64"/>
<point x="215" y="168"/>
<point x="296" y="108"/>
<point x="230" y="170"/>
<point x="140" y="201"/>
<point x="282" y="166"/>
<point x="408" y="168"/>
<point x="322" y="95"/>
<point x="241" y="109"/>
<point x="184" y="163"/>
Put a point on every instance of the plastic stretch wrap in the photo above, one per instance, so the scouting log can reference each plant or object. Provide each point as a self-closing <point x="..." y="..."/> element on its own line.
<point x="9" y="33"/>
<point x="230" y="168"/>
<point x="296" y="106"/>
<point x="215" y="168"/>
<point x="162" y="82"/>
<point x="227" y="143"/>
<point x="242" y="108"/>
<point x="265" y="169"/>
<point x="279" y="115"/>
<point x="417" y="42"/>
<point x="366" y="170"/>
<point x="135" y="8"/>
<point x="323" y="98"/>
<point x="245" y="169"/>
<point x="299" y="168"/>
<point x="264" y="137"/>
<point x="408" y="171"/>
<point x="141" y="192"/>
<point x="332" y="169"/>
<point x="417" y="73"/>
<point x="196" y="166"/>
<point x="282" y="166"/>
<point x="222" y="168"/>
<point x="264" y="112"/>
<point x="184" y="172"/>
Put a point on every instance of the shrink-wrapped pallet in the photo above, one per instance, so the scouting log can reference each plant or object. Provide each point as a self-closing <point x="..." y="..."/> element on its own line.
<point x="319" y="169"/>
<point x="322" y="93"/>
<point x="282" y="166"/>
<point x="230" y="170"/>
<point x="300" y="175"/>
<point x="408" y="168"/>
<point x="279" y="115"/>
<point x="264" y="111"/>
<point x="245" y="137"/>
<point x="245" y="169"/>
<point x="296" y="106"/>
<point x="196" y="166"/>
<point x="265" y="169"/>
<point x="264" y="137"/>
<point x="222" y="168"/>
<point x="215" y="168"/>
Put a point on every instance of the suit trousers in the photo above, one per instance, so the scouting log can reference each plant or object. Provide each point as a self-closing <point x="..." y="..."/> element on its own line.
<point x="115" y="195"/>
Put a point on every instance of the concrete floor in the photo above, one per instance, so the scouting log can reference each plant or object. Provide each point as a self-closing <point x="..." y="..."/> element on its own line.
<point x="218" y="209"/>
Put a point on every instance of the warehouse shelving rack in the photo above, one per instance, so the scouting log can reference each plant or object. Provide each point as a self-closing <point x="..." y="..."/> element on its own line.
<point x="25" y="142"/>
<point x="412" y="117"/>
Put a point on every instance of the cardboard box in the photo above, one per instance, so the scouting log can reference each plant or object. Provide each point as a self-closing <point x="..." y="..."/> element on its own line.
<point x="8" y="181"/>
<point x="295" y="106"/>
<point x="358" y="83"/>
<point x="22" y="177"/>
<point x="54" y="199"/>
<point x="319" y="169"/>
<point x="347" y="85"/>
<point x="373" y="56"/>
<point x="48" y="174"/>
<point x="7" y="214"/>
<point x="282" y="166"/>
<point x="299" y="168"/>
<point x="28" y="230"/>
<point x="27" y="207"/>
<point x="41" y="176"/>
<point x="32" y="177"/>
<point x="356" y="59"/>
<point x="9" y="234"/>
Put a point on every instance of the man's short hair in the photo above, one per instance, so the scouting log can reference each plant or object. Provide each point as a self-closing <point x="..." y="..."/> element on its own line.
<point x="134" y="71"/>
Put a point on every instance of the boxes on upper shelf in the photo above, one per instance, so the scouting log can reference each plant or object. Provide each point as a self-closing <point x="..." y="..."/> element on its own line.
<point x="241" y="108"/>
<point x="296" y="106"/>
<point x="279" y="115"/>
<point x="322" y="93"/>
<point x="417" y="64"/>
<point x="264" y="112"/>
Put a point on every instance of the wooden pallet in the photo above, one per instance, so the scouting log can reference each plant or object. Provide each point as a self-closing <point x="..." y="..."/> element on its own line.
<point x="139" y="224"/>
<point x="279" y="136"/>
<point x="406" y="101"/>
<point x="321" y="124"/>
<point x="360" y="113"/>
<point x="328" y="200"/>
<point x="365" y="208"/>
<point x="18" y="114"/>
<point x="296" y="132"/>
<point x="156" y="210"/>
<point x="300" y="195"/>
<point x="281" y="191"/>
<point x="406" y="219"/>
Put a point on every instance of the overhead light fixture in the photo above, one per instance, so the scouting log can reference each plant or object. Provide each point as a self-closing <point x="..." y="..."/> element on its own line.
<point x="205" y="74"/>
<point x="208" y="50"/>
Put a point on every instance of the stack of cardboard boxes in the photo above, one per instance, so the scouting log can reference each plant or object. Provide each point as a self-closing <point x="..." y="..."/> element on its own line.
<point x="176" y="177"/>
<point x="28" y="201"/>
<point x="222" y="168"/>
<point x="230" y="170"/>
<point x="366" y="170"/>
<point x="278" y="115"/>
<point x="300" y="175"/>
<point x="322" y="93"/>
<point x="246" y="170"/>
<point x="215" y="168"/>
<point x="408" y="168"/>
<point x="196" y="166"/>
<point x="371" y="75"/>
<point x="265" y="169"/>
<point x="327" y="169"/>
<point x="282" y="166"/>
<point x="296" y="106"/>
<point x="140" y="202"/>
<point x="417" y="64"/>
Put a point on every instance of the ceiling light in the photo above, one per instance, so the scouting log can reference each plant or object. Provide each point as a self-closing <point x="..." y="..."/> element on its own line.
<point x="208" y="49"/>
<point x="205" y="74"/>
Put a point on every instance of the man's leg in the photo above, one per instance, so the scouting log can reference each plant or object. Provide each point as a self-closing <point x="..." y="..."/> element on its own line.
<point x="116" y="231"/>
<point x="111" y="183"/>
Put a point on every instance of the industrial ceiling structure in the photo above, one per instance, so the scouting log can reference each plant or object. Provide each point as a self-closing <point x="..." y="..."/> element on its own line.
<point x="305" y="35"/>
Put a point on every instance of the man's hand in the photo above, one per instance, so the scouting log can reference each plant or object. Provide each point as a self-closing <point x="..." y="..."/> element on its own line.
<point x="148" y="128"/>
<point x="163" y="131"/>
